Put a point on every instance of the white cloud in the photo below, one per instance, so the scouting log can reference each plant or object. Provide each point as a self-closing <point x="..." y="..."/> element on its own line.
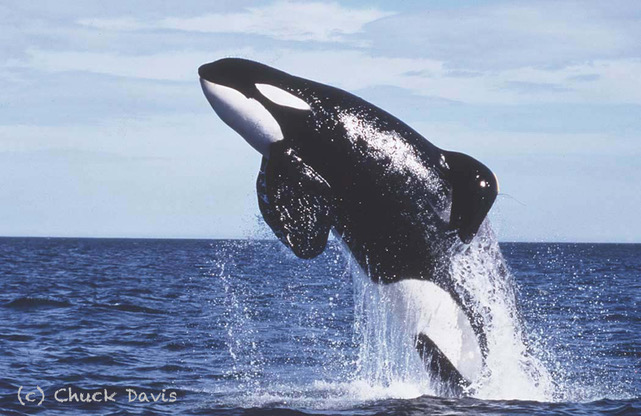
<point x="514" y="34"/>
<point x="509" y="53"/>
<point x="169" y="66"/>
<point x="610" y="81"/>
<point x="284" y="20"/>
<point x="514" y="53"/>
<point x="618" y="81"/>
<point x="116" y="24"/>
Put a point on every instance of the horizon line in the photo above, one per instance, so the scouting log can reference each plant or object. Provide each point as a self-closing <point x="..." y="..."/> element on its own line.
<point x="274" y="239"/>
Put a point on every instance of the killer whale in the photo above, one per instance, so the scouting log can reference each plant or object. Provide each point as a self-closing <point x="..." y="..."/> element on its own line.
<point x="398" y="203"/>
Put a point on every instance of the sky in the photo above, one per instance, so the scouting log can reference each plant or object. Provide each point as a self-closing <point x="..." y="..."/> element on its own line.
<point x="105" y="132"/>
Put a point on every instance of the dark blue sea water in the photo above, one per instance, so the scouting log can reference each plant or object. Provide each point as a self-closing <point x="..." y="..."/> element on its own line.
<point x="243" y="327"/>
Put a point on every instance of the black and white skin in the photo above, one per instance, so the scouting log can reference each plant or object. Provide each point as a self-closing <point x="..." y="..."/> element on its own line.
<point x="399" y="204"/>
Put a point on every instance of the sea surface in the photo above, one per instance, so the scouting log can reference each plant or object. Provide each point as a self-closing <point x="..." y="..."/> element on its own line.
<point x="242" y="327"/>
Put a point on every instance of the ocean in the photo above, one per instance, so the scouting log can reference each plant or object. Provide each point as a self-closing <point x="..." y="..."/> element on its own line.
<point x="242" y="327"/>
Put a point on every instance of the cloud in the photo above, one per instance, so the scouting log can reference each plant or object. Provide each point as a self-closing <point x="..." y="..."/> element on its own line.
<point x="613" y="81"/>
<point x="284" y="20"/>
<point x="584" y="77"/>
<point x="514" y="34"/>
<point x="514" y="53"/>
<point x="546" y="93"/>
<point x="524" y="87"/>
<point x="175" y="66"/>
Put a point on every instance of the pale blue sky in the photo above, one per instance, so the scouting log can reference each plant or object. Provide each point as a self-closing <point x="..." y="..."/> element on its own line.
<point x="104" y="130"/>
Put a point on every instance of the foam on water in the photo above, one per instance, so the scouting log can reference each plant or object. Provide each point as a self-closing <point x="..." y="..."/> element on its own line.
<point x="317" y="394"/>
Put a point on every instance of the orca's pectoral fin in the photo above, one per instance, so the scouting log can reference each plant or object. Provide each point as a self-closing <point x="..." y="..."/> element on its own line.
<point x="296" y="202"/>
<point x="474" y="189"/>
<point x="439" y="366"/>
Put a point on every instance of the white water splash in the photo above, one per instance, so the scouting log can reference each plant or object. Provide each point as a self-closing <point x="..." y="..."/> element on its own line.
<point x="387" y="357"/>
<point x="386" y="364"/>
<point x="513" y="371"/>
<point x="387" y="354"/>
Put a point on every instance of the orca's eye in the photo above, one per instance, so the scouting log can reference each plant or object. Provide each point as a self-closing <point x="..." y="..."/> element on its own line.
<point x="282" y="97"/>
<point x="487" y="183"/>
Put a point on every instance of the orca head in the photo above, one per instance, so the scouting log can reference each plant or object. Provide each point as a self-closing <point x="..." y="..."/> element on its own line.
<point x="474" y="189"/>
<point x="253" y="99"/>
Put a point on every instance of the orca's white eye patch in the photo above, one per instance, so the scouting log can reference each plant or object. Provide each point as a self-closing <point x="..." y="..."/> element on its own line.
<point x="282" y="97"/>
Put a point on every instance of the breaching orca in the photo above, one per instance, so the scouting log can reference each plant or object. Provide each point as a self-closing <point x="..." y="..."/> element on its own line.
<point x="399" y="204"/>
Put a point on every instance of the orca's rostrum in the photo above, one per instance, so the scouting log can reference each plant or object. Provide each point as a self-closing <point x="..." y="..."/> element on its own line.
<point x="331" y="160"/>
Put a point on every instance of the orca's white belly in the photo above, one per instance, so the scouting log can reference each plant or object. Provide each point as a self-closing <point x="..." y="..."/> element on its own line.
<point x="423" y="307"/>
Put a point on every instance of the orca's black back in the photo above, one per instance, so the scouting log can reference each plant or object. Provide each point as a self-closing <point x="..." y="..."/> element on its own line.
<point x="393" y="221"/>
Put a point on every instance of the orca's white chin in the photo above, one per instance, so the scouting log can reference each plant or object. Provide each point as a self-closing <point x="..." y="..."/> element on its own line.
<point x="246" y="116"/>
